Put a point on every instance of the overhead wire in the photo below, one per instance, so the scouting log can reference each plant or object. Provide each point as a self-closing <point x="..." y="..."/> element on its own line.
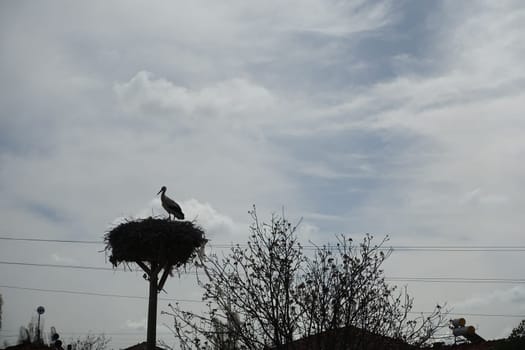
<point x="459" y="248"/>
<point x="486" y="248"/>
<point x="487" y="280"/>
<point x="79" y="267"/>
<point x="63" y="291"/>
<point x="112" y="295"/>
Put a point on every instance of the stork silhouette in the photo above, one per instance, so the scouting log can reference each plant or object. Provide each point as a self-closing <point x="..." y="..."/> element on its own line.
<point x="170" y="205"/>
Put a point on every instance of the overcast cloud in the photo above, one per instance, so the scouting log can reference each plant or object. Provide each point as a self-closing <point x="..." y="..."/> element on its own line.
<point x="391" y="117"/>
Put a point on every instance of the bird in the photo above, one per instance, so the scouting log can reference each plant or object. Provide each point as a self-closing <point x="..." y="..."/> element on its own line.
<point x="170" y="205"/>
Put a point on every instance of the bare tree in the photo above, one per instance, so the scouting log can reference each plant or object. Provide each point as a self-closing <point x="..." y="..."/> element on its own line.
<point x="90" y="342"/>
<point x="270" y="293"/>
<point x="250" y="293"/>
<point x="344" y="288"/>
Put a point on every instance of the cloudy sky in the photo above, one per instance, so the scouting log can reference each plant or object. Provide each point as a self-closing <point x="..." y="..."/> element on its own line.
<point x="390" y="117"/>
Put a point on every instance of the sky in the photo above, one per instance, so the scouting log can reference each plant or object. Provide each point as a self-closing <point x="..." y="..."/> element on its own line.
<point x="399" y="118"/>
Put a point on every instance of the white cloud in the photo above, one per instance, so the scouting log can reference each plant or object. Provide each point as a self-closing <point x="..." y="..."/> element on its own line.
<point x="136" y="325"/>
<point x="61" y="259"/>
<point x="308" y="233"/>
<point x="477" y="197"/>
<point x="511" y="299"/>
<point x="204" y="214"/>
<point x="232" y="98"/>
<point x="329" y="17"/>
<point x="218" y="226"/>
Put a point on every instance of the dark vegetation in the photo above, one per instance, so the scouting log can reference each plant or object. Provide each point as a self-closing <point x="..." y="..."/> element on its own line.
<point x="90" y="342"/>
<point x="516" y="339"/>
<point x="272" y="293"/>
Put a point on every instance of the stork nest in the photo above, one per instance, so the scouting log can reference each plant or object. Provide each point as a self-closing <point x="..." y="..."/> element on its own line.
<point x="165" y="242"/>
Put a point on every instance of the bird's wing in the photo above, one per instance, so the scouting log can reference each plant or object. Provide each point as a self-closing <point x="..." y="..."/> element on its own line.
<point x="171" y="204"/>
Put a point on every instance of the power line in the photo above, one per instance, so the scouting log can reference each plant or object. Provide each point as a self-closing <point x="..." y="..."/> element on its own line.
<point x="448" y="248"/>
<point x="79" y="267"/>
<point x="396" y="278"/>
<point x="49" y="240"/>
<point x="485" y="280"/>
<point x="485" y="315"/>
<point x="96" y="294"/>
<point x="457" y="280"/>
<point x="85" y="333"/>
<point x="455" y="249"/>
<point x="200" y="301"/>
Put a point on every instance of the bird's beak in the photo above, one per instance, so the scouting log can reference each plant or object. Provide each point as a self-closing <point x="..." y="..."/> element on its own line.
<point x="159" y="192"/>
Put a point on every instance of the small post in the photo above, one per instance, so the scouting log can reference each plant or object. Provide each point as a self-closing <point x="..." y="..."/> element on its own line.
<point x="40" y="310"/>
<point x="152" y="307"/>
<point x="38" y="331"/>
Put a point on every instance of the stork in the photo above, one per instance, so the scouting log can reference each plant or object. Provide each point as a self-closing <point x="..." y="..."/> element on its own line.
<point x="170" y="205"/>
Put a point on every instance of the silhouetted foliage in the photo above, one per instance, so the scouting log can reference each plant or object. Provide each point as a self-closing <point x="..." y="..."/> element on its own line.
<point x="516" y="339"/>
<point x="344" y="288"/>
<point x="90" y="342"/>
<point x="270" y="293"/>
<point x="518" y="331"/>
